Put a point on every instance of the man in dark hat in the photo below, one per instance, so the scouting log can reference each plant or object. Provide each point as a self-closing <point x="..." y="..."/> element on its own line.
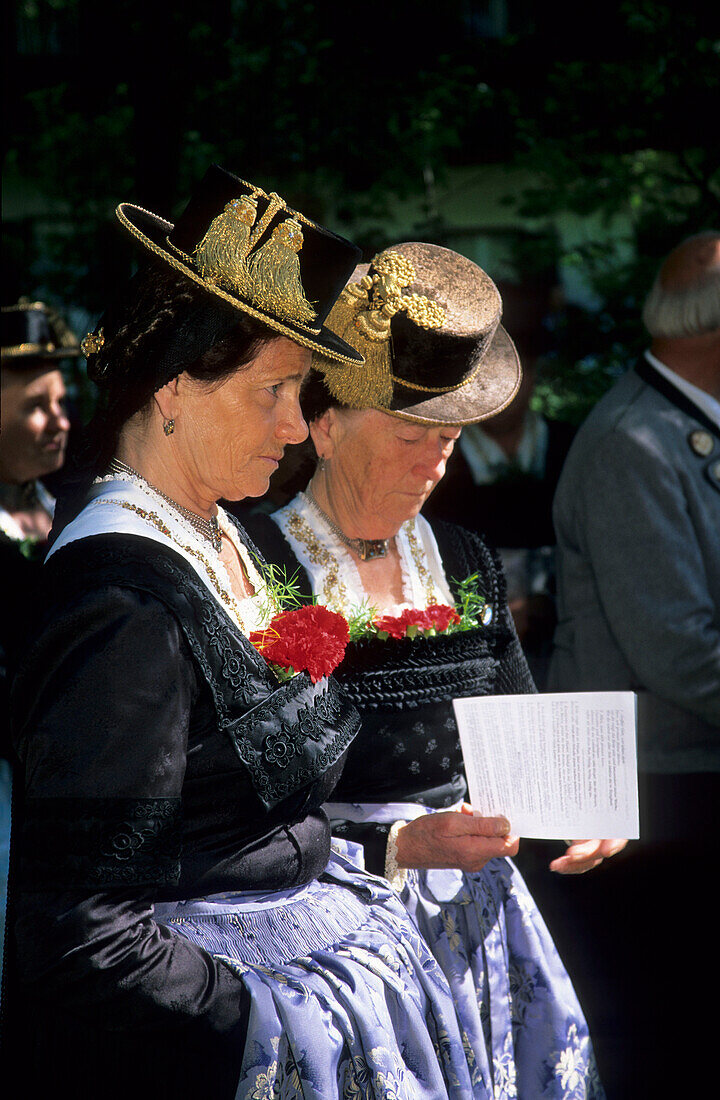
<point x="33" y="426"/>
<point x="33" y="436"/>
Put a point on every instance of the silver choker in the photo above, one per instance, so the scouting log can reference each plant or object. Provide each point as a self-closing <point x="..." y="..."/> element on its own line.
<point x="208" y="528"/>
<point x="366" y="549"/>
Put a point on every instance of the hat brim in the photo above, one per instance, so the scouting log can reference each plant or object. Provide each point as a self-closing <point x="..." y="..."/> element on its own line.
<point x="152" y="232"/>
<point x="38" y="352"/>
<point x="489" y="390"/>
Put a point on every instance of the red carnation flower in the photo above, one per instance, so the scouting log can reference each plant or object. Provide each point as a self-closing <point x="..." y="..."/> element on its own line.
<point x="442" y="616"/>
<point x="308" y="639"/>
<point x="409" y="622"/>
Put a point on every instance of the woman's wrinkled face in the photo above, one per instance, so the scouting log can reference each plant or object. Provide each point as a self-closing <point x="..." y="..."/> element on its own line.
<point x="230" y="436"/>
<point x="383" y="468"/>
<point x="33" y="424"/>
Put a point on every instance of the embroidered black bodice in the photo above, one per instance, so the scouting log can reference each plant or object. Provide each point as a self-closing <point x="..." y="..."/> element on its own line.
<point x="408" y="749"/>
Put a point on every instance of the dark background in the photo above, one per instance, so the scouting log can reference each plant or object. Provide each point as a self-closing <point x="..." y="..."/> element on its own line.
<point x="347" y="109"/>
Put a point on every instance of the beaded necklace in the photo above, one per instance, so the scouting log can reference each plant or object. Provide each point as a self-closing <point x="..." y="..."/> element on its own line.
<point x="262" y="607"/>
<point x="340" y="586"/>
<point x="366" y="549"/>
<point x="208" y="528"/>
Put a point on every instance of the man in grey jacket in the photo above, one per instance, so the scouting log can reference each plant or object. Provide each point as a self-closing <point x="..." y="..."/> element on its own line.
<point x="637" y="518"/>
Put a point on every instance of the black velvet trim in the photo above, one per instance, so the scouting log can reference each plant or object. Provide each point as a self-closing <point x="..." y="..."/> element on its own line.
<point x="396" y="674"/>
<point x="295" y="736"/>
<point x="418" y="352"/>
<point x="100" y="842"/>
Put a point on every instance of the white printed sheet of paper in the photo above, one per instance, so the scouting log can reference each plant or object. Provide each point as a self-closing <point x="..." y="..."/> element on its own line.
<point x="558" y="766"/>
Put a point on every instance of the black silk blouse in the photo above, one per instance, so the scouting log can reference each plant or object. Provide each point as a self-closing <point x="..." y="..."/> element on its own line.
<point x="162" y="760"/>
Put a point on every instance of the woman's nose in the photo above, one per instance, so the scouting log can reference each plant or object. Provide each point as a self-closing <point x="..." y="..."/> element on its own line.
<point x="58" y="419"/>
<point x="292" y="427"/>
<point x="433" y="465"/>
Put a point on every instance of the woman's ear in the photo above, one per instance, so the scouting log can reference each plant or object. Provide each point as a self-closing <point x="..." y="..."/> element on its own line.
<point x="166" y="399"/>
<point x="322" y="432"/>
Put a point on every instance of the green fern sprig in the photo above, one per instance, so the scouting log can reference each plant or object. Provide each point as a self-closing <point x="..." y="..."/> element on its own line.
<point x="360" y="621"/>
<point x="470" y="605"/>
<point x="281" y="593"/>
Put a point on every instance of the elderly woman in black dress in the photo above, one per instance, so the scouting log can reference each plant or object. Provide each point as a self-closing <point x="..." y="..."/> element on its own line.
<point x="427" y="321"/>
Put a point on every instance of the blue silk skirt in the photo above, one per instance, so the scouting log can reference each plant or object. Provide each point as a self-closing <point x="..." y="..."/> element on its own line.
<point x="354" y="1000"/>
<point x="514" y="999"/>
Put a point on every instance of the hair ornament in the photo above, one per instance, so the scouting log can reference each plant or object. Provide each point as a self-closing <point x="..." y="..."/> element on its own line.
<point x="92" y="343"/>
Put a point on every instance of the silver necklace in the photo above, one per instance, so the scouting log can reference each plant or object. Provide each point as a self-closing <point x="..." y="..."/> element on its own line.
<point x="366" y="549"/>
<point x="208" y="528"/>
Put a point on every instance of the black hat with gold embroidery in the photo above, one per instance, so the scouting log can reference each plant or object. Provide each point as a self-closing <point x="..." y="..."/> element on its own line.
<point x="427" y="321"/>
<point x="253" y="252"/>
<point x="32" y="331"/>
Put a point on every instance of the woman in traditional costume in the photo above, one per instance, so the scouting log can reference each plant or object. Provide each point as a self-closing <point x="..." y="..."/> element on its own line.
<point x="181" y="925"/>
<point x="428" y="322"/>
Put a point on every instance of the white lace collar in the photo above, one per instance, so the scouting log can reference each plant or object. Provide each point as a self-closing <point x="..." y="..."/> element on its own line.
<point x="333" y="574"/>
<point x="10" y="526"/>
<point x="121" y="503"/>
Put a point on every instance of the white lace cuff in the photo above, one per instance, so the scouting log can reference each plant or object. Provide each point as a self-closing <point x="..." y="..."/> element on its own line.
<point x="396" y="876"/>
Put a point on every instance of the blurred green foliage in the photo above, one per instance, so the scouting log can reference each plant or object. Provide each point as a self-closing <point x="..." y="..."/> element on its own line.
<point x="348" y="109"/>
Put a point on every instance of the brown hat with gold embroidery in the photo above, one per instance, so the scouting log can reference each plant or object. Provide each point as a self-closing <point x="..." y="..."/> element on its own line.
<point x="427" y="321"/>
<point x="251" y="251"/>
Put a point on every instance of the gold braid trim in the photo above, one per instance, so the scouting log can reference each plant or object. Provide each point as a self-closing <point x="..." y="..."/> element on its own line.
<point x="28" y="349"/>
<point x="186" y="270"/>
<point x="61" y="329"/>
<point x="334" y="594"/>
<point x="368" y="307"/>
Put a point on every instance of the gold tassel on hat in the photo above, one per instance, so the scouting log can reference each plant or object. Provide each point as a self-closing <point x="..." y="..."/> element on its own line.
<point x="221" y="255"/>
<point x="368" y="308"/>
<point x="364" y="387"/>
<point x="275" y="283"/>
